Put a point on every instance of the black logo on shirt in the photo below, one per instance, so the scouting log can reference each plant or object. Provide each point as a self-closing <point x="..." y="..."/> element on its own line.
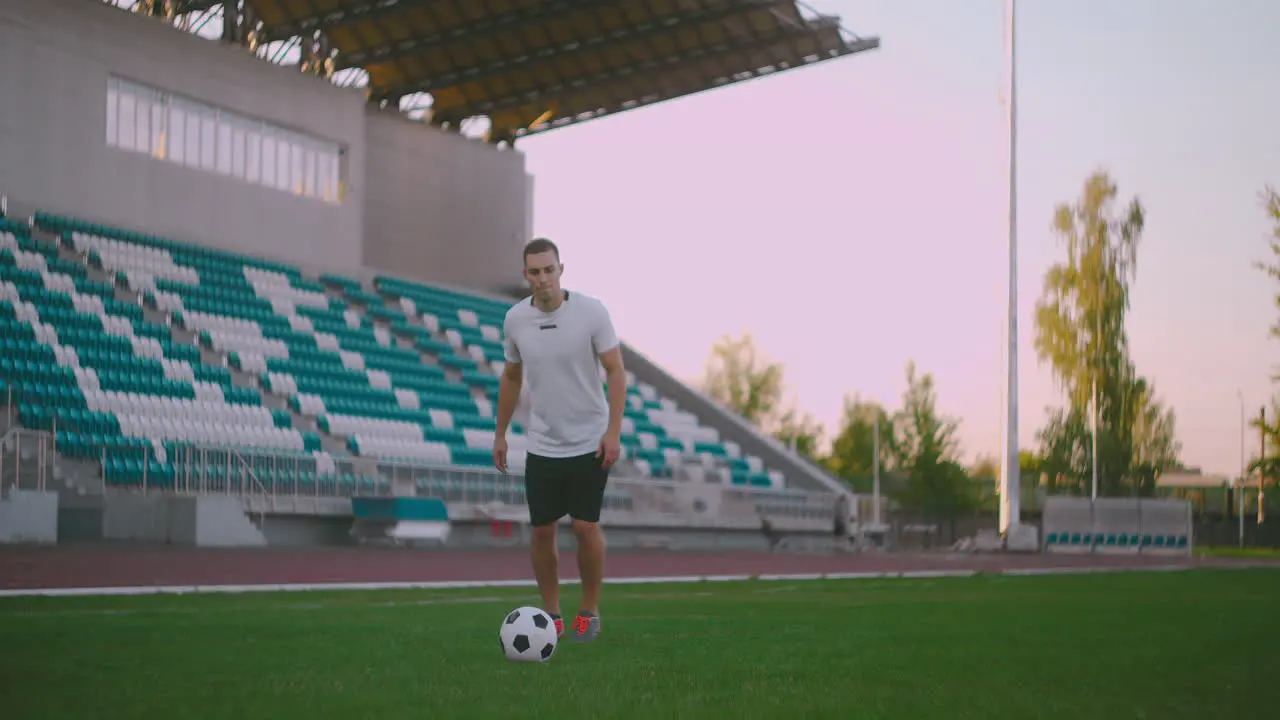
<point x="549" y="326"/>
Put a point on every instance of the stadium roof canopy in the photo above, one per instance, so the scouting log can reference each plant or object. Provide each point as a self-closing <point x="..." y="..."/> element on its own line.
<point x="534" y="65"/>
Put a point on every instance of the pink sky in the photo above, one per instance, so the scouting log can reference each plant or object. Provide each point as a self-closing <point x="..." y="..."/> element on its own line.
<point x="852" y="215"/>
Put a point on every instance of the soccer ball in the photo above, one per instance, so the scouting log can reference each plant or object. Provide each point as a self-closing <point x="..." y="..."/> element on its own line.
<point x="528" y="634"/>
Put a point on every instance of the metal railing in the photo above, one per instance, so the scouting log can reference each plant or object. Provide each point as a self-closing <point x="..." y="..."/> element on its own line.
<point x="275" y="476"/>
<point x="26" y="458"/>
<point x="191" y="469"/>
<point x="264" y="476"/>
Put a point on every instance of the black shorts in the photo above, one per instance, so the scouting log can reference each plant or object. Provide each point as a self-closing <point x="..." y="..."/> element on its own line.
<point x="555" y="487"/>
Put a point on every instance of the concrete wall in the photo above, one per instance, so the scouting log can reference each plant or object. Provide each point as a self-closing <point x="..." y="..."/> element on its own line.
<point x="206" y="521"/>
<point x="149" y="518"/>
<point x="55" y="59"/>
<point x="304" y="531"/>
<point x="79" y="525"/>
<point x="442" y="207"/>
<point x="29" y="517"/>
<point x="477" y="536"/>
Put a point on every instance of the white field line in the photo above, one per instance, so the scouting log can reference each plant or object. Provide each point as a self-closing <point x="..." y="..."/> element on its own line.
<point x="223" y="608"/>
<point x="471" y="584"/>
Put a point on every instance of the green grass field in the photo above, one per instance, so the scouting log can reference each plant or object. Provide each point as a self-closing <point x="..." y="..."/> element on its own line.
<point x="1144" y="645"/>
<point x="1235" y="552"/>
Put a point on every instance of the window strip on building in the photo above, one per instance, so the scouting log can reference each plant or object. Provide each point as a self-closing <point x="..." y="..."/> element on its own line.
<point x="197" y="135"/>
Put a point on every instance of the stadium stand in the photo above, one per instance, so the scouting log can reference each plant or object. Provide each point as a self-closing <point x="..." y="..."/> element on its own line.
<point x="211" y="338"/>
<point x="168" y="334"/>
<point x="413" y="382"/>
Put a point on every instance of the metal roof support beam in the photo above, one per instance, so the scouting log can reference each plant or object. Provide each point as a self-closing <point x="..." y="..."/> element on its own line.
<point x="310" y="59"/>
<point x="249" y="28"/>
<point x="167" y="9"/>
<point x="153" y="8"/>
<point x="189" y="7"/>
<point x="657" y="26"/>
<point x="182" y="7"/>
<point x="471" y="33"/>
<point x="231" y="21"/>
<point x="677" y="60"/>
<point x="343" y="16"/>
<point x="575" y="117"/>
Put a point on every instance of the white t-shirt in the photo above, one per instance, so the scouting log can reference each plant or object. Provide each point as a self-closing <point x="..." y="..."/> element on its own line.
<point x="559" y="353"/>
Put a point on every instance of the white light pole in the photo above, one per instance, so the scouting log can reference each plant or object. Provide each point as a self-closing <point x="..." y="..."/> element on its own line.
<point x="1243" y="471"/>
<point x="1010" y="479"/>
<point x="875" y="474"/>
<point x="1094" y="431"/>
<point x="1097" y="367"/>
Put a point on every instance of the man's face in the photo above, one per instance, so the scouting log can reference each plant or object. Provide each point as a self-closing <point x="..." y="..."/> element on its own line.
<point x="542" y="270"/>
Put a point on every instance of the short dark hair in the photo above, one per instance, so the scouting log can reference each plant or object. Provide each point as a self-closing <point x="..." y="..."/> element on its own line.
<point x="540" y="245"/>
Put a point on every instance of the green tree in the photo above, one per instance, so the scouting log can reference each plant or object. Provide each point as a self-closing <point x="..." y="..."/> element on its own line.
<point x="1152" y="434"/>
<point x="1031" y="473"/>
<point x="924" y="449"/>
<point x="985" y="467"/>
<point x="1271" y="205"/>
<point x="921" y="436"/>
<point x="739" y="376"/>
<point x="1080" y="333"/>
<point x="1271" y="466"/>
<point x="985" y="475"/>
<point x="1029" y="466"/>
<point x="802" y="432"/>
<point x="853" y="447"/>
<point x="1064" y="451"/>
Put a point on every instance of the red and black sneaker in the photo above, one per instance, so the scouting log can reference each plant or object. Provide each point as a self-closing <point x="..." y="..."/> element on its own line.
<point x="559" y="624"/>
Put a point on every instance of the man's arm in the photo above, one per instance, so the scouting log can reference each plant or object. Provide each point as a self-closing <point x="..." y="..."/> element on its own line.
<point x="609" y="348"/>
<point x="511" y="382"/>
<point x="508" y="395"/>
<point x="616" y="377"/>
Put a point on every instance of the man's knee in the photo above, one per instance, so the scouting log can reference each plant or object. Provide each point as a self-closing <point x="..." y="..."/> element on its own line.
<point x="543" y="534"/>
<point x="586" y="529"/>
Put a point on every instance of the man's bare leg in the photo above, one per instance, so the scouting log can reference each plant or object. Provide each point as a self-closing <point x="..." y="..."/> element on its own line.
<point x="546" y="567"/>
<point x="591" y="571"/>
<point x="590" y="563"/>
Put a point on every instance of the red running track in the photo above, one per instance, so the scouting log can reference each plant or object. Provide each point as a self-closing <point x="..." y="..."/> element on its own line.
<point x="133" y="566"/>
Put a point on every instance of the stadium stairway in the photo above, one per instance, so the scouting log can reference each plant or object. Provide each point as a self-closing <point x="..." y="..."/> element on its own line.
<point x="131" y="350"/>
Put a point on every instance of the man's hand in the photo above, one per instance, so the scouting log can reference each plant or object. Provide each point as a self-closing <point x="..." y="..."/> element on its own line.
<point x="610" y="449"/>
<point x="500" y="453"/>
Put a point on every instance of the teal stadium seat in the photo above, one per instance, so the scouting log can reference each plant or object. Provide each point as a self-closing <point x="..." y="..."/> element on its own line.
<point x="407" y="372"/>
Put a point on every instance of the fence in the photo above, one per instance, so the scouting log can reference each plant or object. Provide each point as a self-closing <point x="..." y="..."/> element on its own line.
<point x="197" y="469"/>
<point x="1117" y="525"/>
<point x="1217" y="530"/>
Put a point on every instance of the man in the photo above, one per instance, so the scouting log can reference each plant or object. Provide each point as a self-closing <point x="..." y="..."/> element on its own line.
<point x="556" y="342"/>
